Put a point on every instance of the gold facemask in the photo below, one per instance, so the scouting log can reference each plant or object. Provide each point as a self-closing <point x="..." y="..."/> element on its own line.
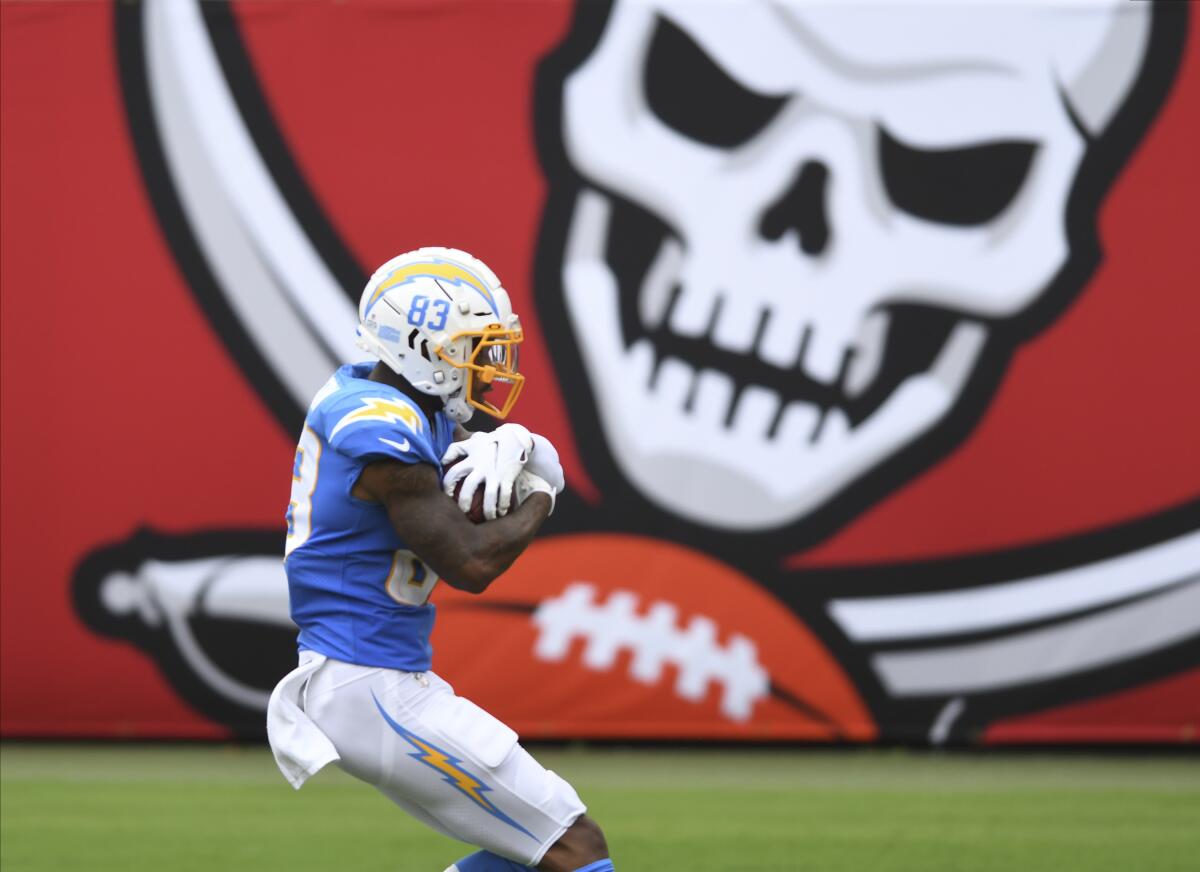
<point x="492" y="365"/>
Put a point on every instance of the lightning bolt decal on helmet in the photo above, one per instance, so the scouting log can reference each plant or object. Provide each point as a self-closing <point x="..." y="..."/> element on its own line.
<point x="441" y="319"/>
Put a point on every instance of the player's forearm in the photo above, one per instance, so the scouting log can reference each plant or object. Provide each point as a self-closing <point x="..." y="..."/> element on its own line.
<point x="495" y="545"/>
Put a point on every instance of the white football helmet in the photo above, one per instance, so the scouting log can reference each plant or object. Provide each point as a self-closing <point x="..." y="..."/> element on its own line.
<point x="441" y="319"/>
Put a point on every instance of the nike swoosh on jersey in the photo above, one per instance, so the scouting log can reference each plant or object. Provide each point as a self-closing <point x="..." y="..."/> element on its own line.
<point x="401" y="446"/>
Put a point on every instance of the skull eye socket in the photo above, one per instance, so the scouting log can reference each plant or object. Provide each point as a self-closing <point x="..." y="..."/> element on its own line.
<point x="964" y="186"/>
<point x="690" y="93"/>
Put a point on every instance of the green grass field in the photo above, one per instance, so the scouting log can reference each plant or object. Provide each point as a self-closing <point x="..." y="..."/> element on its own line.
<point x="213" y="808"/>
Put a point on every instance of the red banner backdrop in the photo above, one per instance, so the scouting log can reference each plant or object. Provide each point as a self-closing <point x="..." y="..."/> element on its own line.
<point x="190" y="189"/>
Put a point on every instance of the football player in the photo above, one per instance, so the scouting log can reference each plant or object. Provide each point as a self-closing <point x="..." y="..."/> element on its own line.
<point x="371" y="532"/>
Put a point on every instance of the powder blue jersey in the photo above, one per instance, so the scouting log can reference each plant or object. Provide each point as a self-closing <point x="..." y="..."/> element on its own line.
<point x="357" y="593"/>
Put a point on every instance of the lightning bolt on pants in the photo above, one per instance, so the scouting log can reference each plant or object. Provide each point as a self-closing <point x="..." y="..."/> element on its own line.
<point x="441" y="758"/>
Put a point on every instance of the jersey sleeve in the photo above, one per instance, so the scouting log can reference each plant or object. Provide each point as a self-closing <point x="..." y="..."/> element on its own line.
<point x="373" y="427"/>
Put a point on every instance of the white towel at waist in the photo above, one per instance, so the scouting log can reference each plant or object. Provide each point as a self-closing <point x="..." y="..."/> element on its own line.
<point x="300" y="748"/>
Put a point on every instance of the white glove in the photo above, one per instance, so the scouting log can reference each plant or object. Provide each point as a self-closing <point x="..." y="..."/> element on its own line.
<point x="492" y="459"/>
<point x="543" y="462"/>
<point x="528" y="483"/>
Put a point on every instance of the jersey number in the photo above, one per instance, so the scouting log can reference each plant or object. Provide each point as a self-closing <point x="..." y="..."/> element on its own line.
<point x="304" y="482"/>
<point x="420" y="311"/>
<point x="410" y="581"/>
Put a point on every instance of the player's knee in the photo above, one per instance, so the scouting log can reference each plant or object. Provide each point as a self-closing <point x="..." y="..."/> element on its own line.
<point x="583" y="843"/>
<point x="587" y="838"/>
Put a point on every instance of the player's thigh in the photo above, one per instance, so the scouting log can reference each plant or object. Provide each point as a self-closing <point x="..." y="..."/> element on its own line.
<point x="430" y="750"/>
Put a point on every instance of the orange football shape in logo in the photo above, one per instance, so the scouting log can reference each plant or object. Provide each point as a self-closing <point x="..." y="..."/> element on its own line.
<point x="604" y="641"/>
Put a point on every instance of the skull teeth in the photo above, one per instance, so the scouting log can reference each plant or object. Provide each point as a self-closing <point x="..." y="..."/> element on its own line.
<point x="672" y="383"/>
<point x="736" y="325"/>
<point x="729" y="323"/>
<point x="755" y="411"/>
<point x="660" y="283"/>
<point x="668" y="301"/>
<point x="824" y="356"/>
<point x="798" y="424"/>
<point x="711" y="398"/>
<point x="778" y="341"/>
<point x="868" y="353"/>
<point x="833" y="428"/>
<point x="694" y="310"/>
<point x="782" y="341"/>
<point x="639" y="362"/>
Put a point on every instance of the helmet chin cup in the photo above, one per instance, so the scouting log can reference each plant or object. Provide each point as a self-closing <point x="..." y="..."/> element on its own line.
<point x="458" y="410"/>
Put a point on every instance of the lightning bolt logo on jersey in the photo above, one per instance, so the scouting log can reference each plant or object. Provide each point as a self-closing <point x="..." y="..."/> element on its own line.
<point x="358" y="594"/>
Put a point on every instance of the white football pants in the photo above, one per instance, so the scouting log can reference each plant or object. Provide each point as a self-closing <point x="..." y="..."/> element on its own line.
<point x="441" y="758"/>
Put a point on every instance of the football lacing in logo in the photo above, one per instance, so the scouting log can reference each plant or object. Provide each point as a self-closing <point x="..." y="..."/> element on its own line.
<point x="655" y="640"/>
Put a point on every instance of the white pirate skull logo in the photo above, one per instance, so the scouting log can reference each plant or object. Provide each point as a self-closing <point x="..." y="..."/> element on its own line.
<point x="799" y="241"/>
<point x="795" y="247"/>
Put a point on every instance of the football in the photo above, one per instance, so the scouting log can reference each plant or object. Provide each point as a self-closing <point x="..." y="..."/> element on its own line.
<point x="476" y="513"/>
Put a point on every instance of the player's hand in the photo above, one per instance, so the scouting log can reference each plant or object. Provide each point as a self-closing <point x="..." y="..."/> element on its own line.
<point x="543" y="462"/>
<point x="493" y="460"/>
<point x="529" y="483"/>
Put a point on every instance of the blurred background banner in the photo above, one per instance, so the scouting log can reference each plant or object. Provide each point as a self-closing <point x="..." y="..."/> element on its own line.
<point x="869" y="336"/>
